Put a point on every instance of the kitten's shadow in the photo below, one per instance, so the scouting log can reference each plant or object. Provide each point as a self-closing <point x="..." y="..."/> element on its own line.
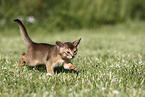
<point x="42" y="68"/>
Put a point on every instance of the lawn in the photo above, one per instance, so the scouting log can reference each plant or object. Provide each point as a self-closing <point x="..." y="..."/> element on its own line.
<point x="110" y="62"/>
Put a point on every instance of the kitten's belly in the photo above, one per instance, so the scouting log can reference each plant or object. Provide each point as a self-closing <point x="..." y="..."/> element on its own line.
<point x="38" y="62"/>
<point x="58" y="64"/>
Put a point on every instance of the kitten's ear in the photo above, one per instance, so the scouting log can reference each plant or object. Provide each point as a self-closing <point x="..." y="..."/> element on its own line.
<point x="76" y="43"/>
<point x="59" y="44"/>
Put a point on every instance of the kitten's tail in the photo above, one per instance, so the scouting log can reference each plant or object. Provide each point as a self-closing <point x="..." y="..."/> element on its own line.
<point x="24" y="33"/>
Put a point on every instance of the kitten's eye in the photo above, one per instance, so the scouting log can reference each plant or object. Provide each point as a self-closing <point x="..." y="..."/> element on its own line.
<point x="75" y="52"/>
<point x="68" y="52"/>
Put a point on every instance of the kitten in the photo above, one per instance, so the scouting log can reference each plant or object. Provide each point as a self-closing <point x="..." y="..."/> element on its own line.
<point x="51" y="55"/>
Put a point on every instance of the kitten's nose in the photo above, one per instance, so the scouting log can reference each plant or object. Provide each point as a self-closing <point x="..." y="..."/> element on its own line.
<point x="73" y="57"/>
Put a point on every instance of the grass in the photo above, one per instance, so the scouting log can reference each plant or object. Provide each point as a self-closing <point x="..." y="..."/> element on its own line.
<point x="110" y="60"/>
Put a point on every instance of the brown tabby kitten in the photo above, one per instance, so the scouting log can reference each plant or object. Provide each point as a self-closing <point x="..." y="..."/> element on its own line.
<point x="51" y="55"/>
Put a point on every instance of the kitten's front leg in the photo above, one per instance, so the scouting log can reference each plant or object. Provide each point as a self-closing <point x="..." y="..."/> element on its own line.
<point x="49" y="68"/>
<point x="70" y="66"/>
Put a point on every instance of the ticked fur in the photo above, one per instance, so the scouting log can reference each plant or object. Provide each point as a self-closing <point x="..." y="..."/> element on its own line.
<point x="51" y="55"/>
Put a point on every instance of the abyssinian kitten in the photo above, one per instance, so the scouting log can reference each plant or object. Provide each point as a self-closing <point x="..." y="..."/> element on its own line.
<point x="51" y="55"/>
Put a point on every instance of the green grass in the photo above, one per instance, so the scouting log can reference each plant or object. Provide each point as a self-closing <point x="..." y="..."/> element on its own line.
<point x="110" y="60"/>
<point x="74" y="14"/>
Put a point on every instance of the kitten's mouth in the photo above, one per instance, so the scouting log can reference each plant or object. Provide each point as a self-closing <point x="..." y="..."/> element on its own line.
<point x="70" y="57"/>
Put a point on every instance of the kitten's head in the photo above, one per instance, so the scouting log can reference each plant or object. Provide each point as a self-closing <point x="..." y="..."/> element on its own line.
<point x="68" y="50"/>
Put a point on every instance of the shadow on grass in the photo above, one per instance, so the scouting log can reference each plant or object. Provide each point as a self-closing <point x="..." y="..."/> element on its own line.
<point x="42" y="68"/>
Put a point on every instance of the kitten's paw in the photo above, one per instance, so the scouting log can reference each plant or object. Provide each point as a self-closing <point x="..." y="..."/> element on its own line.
<point x="76" y="69"/>
<point x="48" y="74"/>
<point x="21" y="64"/>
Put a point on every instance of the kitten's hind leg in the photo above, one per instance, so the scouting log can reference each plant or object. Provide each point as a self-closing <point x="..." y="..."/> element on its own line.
<point x="22" y="62"/>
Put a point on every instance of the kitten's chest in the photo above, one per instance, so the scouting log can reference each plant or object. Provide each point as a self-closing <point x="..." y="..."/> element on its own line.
<point x="58" y="63"/>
